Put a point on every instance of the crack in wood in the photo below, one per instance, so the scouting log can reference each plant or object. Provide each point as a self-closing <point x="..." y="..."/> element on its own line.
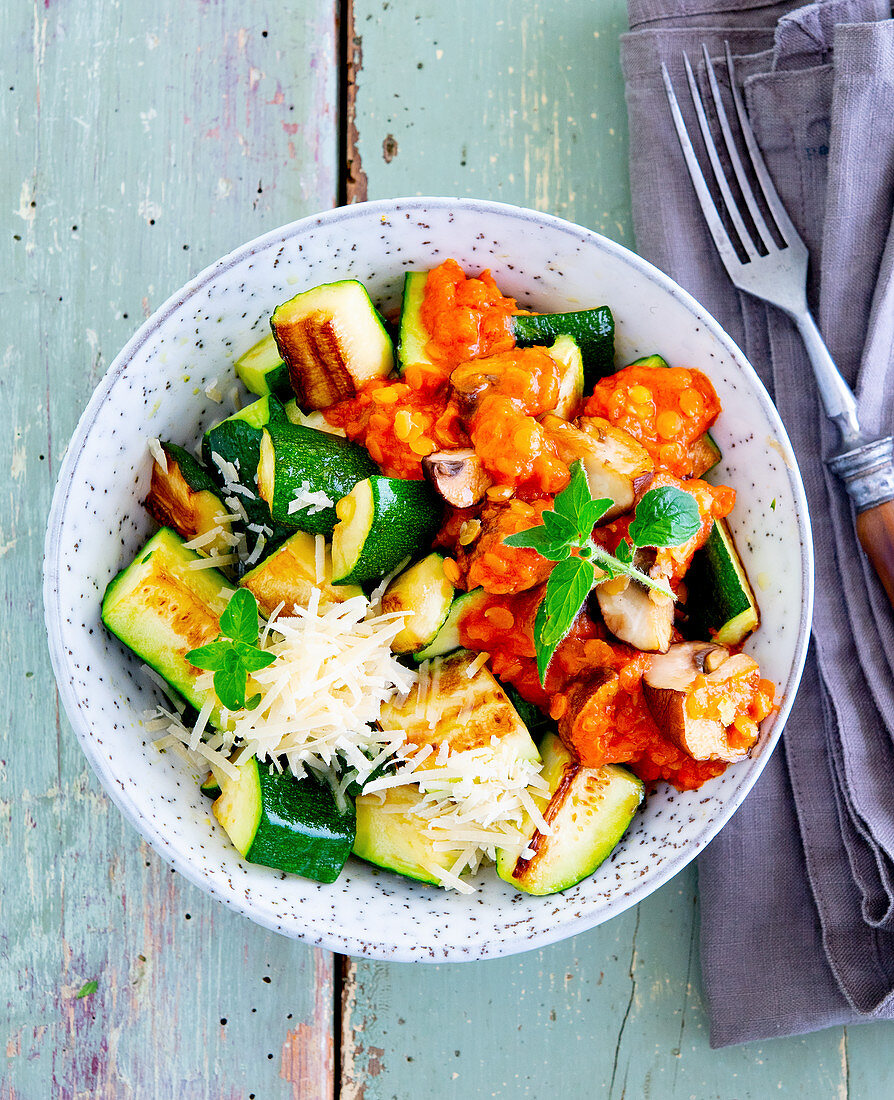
<point x="353" y="178"/>
<point x="611" y="1087"/>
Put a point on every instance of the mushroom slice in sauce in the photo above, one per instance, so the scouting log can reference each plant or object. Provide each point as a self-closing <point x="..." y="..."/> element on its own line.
<point x="458" y="476"/>
<point x="670" y="683"/>
<point x="612" y="459"/>
<point x="637" y="615"/>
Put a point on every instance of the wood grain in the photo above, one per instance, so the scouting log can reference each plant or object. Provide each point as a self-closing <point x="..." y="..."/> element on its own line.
<point x="147" y="140"/>
<point x="875" y="530"/>
<point x="526" y="104"/>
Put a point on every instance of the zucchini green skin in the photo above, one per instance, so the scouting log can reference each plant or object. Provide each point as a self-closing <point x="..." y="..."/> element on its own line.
<point x="448" y="637"/>
<point x="161" y="608"/>
<point x="414" y="337"/>
<point x="291" y="824"/>
<point x="262" y="371"/>
<point x="296" y="454"/>
<point x="592" y="329"/>
<point x="589" y="811"/>
<point x="538" y="723"/>
<point x="391" y="836"/>
<point x="194" y="473"/>
<point x="210" y="787"/>
<point x="649" y="361"/>
<point x="394" y="519"/>
<point x="720" y="601"/>
<point x="238" y="440"/>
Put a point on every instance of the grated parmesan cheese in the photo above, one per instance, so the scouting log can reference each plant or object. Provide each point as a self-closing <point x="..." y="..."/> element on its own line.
<point x="158" y="453"/>
<point x="312" y="502"/>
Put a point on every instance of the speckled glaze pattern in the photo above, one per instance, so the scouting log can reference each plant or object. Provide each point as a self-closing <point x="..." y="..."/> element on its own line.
<point x="156" y="387"/>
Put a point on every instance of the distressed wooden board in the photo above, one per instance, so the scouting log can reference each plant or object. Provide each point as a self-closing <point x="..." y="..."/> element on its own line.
<point x="525" y="103"/>
<point x="143" y="141"/>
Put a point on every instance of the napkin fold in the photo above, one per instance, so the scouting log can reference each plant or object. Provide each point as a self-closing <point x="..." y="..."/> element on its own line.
<point x="797" y="892"/>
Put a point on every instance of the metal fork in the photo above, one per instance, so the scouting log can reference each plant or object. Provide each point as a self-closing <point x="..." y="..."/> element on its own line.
<point x="778" y="274"/>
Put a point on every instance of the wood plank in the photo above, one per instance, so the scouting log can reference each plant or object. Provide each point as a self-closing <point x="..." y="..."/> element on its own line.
<point x="149" y="140"/>
<point x="526" y="104"/>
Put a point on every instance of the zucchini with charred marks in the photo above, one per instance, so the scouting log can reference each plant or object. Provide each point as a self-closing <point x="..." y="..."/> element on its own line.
<point x="588" y="810"/>
<point x="182" y="495"/>
<point x="332" y="340"/>
<point x="162" y="607"/>
<point x="291" y="573"/>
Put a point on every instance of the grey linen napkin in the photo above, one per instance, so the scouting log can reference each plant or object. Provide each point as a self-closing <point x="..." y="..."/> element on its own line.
<point x="797" y="892"/>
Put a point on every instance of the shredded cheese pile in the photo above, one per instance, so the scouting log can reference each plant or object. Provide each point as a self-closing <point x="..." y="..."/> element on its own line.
<point x="333" y="672"/>
<point x="473" y="803"/>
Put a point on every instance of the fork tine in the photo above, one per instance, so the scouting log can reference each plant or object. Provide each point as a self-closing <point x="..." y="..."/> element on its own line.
<point x="716" y="166"/>
<point x="787" y="231"/>
<point x="722" y="241"/>
<point x="763" y="232"/>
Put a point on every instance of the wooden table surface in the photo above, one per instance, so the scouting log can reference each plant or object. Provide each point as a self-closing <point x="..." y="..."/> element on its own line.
<point x="144" y="140"/>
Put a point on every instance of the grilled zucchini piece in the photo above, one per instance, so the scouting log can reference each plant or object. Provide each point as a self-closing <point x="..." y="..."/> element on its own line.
<point x="381" y="521"/>
<point x="392" y="836"/>
<point x="448" y="637"/>
<point x="332" y="340"/>
<point x="588" y="809"/>
<point x="720" y="602"/>
<point x="161" y="608"/>
<point x="236" y="441"/>
<point x="262" y="371"/>
<point x="592" y="329"/>
<point x="293" y="458"/>
<point x="289" y="576"/>
<point x="566" y="354"/>
<point x="465" y="712"/>
<point x="424" y="591"/>
<point x="291" y="824"/>
<point x="414" y="336"/>
<point x="185" y="498"/>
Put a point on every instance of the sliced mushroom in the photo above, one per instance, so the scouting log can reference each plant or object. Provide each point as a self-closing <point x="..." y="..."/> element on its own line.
<point x="459" y="476"/>
<point x="636" y="614"/>
<point x="612" y="459"/>
<point x="668" y="685"/>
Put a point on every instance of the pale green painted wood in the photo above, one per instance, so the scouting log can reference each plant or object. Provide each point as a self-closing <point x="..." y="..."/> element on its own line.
<point x="525" y="103"/>
<point x="142" y="142"/>
<point x="521" y="103"/>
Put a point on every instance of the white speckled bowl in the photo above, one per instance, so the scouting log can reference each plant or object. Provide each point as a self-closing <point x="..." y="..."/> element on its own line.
<point x="156" y="388"/>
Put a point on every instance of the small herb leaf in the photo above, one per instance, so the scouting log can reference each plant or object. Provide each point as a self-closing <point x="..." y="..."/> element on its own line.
<point x="560" y="527"/>
<point x="230" y="687"/>
<point x="87" y="989"/>
<point x="540" y="539"/>
<point x="212" y="657"/>
<point x="251" y="658"/>
<point x="240" y="619"/>
<point x="624" y="552"/>
<point x="665" y="517"/>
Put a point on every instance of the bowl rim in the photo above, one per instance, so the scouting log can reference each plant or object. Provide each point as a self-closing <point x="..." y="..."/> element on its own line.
<point x="77" y="713"/>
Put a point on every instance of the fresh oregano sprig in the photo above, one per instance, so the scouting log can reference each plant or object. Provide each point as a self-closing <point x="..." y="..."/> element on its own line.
<point x="666" y="516"/>
<point x="235" y="653"/>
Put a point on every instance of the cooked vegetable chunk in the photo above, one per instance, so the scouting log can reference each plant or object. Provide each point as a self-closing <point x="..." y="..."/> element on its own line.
<point x="448" y="637"/>
<point x="592" y="329"/>
<point x="184" y="497"/>
<point x="463" y="711"/>
<point x="588" y="811"/>
<point x="458" y="476"/>
<point x="302" y="473"/>
<point x="162" y="607"/>
<point x="413" y="334"/>
<point x="283" y="822"/>
<point x="262" y="371"/>
<point x="720" y="601"/>
<point x="392" y="836"/>
<point x="700" y="697"/>
<point x="332" y="340"/>
<point x="612" y="460"/>
<point x="567" y="356"/>
<point x="381" y="521"/>
<point x="289" y="576"/>
<point x="424" y="592"/>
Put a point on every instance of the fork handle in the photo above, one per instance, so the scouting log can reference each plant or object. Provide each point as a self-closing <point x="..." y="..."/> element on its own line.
<point x="868" y="475"/>
<point x="875" y="530"/>
<point x="837" y="397"/>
